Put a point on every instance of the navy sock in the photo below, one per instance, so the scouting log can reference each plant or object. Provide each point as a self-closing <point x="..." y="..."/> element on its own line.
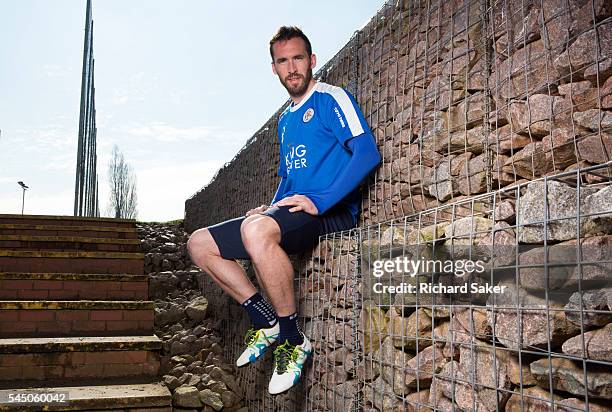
<point x="262" y="314"/>
<point x="290" y="330"/>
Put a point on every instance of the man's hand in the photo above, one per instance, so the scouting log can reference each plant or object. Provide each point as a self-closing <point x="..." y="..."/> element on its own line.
<point x="259" y="209"/>
<point x="300" y="202"/>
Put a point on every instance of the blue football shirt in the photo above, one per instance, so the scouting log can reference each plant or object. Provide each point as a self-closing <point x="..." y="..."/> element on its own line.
<point x="313" y="136"/>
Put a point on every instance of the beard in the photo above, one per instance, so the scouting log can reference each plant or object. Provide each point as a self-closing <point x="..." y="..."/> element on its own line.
<point x="300" y="88"/>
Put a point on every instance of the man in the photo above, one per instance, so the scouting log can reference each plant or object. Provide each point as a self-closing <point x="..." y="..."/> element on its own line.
<point x="326" y="151"/>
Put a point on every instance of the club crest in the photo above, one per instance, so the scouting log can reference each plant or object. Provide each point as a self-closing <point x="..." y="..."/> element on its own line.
<point x="308" y="115"/>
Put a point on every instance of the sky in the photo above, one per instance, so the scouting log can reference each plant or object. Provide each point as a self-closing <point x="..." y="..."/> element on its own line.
<point x="180" y="87"/>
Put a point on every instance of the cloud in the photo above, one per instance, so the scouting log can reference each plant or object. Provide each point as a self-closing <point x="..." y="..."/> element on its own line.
<point x="135" y="89"/>
<point x="56" y="70"/>
<point x="164" y="132"/>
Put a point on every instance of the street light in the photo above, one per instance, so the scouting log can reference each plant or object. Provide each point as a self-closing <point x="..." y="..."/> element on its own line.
<point x="24" y="187"/>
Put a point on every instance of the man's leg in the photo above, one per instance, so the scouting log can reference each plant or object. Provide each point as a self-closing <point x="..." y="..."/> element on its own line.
<point x="227" y="273"/>
<point x="261" y="237"/>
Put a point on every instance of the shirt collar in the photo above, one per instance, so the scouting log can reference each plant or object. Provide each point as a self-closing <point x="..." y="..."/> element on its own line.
<point x="293" y="107"/>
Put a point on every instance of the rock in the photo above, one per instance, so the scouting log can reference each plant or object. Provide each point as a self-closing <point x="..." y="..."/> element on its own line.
<point x="342" y="396"/>
<point x="506" y="140"/>
<point x="372" y="326"/>
<point x="533" y="399"/>
<point x="597" y="266"/>
<point x="542" y="114"/>
<point x="171" y="382"/>
<point x="606" y="89"/>
<point x="569" y="376"/>
<point x="596" y="308"/>
<point x="196" y="309"/>
<point x="596" y="343"/>
<point x="529" y="162"/>
<point x="470" y="140"/>
<point x="467" y="114"/>
<point x="440" y="384"/>
<point x="580" y="96"/>
<point x="443" y="185"/>
<point x="596" y="149"/>
<point x="560" y="261"/>
<point x="469" y="382"/>
<point x="561" y="201"/>
<point x="505" y="210"/>
<point x="559" y="147"/>
<point x="161" y="284"/>
<point x="186" y="397"/>
<point x="468" y="230"/>
<point x="172" y="314"/>
<point x="212" y="399"/>
<point x="441" y="93"/>
<point x="169" y="247"/>
<point x="524" y="29"/>
<point x="474" y="179"/>
<point x="527" y="71"/>
<point x="459" y="164"/>
<point x="598" y="208"/>
<point x="581" y="53"/>
<point x="591" y="119"/>
<point x="577" y="405"/>
<point x="228" y="399"/>
<point x="534" y="329"/>
<point x="400" y="372"/>
<point x="415" y="401"/>
<point x="408" y="332"/>
<point x="380" y="394"/>
<point x="474" y="320"/>
<point x="334" y="377"/>
<point x="314" y="305"/>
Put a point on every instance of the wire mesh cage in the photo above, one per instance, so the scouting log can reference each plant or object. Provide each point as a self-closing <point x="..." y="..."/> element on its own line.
<point x="494" y="122"/>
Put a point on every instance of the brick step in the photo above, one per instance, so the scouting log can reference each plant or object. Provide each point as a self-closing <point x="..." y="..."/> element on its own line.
<point x="71" y="262"/>
<point x="68" y="243"/>
<point x="72" y="286"/>
<point x="86" y="360"/>
<point x="58" y="230"/>
<point x="66" y="220"/>
<point x="153" y="397"/>
<point x="75" y="318"/>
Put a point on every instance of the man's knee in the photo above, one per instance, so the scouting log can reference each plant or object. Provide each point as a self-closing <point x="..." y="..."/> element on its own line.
<point x="201" y="243"/>
<point x="259" y="231"/>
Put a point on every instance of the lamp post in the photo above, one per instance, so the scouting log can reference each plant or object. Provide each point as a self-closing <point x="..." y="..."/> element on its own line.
<point x="24" y="187"/>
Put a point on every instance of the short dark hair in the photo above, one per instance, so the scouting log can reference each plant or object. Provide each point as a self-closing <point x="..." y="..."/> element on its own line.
<point x="285" y="33"/>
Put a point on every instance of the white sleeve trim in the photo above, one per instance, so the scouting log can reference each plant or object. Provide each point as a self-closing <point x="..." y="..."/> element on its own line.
<point x="346" y="105"/>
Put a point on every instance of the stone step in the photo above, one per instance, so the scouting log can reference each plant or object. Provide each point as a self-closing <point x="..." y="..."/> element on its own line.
<point x="68" y="243"/>
<point x="71" y="262"/>
<point x="72" y="286"/>
<point x="63" y="361"/>
<point x="75" y="318"/>
<point x="59" y="230"/>
<point x="66" y="220"/>
<point x="153" y="397"/>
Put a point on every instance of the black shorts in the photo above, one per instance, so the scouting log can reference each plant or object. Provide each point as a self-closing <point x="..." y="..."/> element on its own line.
<point x="299" y="230"/>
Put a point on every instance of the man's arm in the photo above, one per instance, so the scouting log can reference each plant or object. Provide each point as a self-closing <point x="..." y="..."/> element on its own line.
<point x="364" y="159"/>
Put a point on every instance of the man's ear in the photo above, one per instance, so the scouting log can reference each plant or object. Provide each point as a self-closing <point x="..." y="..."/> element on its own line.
<point x="273" y="68"/>
<point x="313" y="60"/>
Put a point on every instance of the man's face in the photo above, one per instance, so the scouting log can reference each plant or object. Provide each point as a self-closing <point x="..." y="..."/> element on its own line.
<point x="293" y="65"/>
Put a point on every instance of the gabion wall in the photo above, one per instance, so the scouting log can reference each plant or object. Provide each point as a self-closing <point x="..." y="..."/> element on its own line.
<point x="493" y="119"/>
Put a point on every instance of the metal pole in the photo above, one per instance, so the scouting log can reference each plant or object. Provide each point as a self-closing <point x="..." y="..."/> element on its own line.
<point x="23" y="200"/>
